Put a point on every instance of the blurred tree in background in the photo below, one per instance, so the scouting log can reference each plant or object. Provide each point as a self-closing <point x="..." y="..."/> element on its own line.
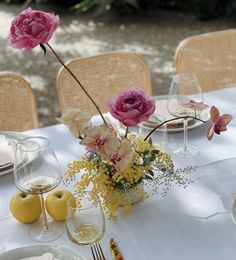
<point x="203" y="9"/>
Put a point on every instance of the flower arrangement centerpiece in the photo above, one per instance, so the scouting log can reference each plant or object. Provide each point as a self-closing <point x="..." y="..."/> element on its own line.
<point x="116" y="164"/>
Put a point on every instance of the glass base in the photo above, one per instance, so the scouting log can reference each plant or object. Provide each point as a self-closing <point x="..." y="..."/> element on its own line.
<point x="40" y="234"/>
<point x="189" y="151"/>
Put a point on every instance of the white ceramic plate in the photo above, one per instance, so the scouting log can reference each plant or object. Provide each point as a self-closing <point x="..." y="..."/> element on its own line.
<point x="12" y="136"/>
<point x="59" y="252"/>
<point x="205" y="115"/>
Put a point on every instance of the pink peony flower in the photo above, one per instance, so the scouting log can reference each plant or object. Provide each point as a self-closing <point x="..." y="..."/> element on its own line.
<point x="219" y="123"/>
<point x="123" y="156"/>
<point x="132" y="107"/>
<point x="31" y="28"/>
<point x="195" y="105"/>
<point x="100" y="139"/>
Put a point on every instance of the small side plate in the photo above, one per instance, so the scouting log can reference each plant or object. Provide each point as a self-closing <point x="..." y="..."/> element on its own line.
<point x="59" y="252"/>
<point x="205" y="115"/>
<point x="13" y="137"/>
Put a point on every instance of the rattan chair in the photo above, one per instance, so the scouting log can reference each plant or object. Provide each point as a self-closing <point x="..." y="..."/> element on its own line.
<point x="17" y="103"/>
<point x="103" y="76"/>
<point x="211" y="56"/>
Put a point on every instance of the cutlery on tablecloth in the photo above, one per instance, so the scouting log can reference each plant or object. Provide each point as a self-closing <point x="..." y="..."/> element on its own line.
<point x="115" y="250"/>
<point x="97" y="252"/>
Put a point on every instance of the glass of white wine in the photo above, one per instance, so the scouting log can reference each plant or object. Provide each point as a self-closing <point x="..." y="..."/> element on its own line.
<point x="184" y="88"/>
<point x="36" y="171"/>
<point x="85" y="222"/>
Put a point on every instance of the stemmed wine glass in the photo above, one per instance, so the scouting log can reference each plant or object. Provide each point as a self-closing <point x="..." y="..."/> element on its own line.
<point x="36" y="171"/>
<point x="85" y="222"/>
<point x="184" y="88"/>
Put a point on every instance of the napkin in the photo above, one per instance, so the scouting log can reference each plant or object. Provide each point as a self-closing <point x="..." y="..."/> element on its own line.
<point x="46" y="256"/>
<point x="6" y="151"/>
<point x="161" y="109"/>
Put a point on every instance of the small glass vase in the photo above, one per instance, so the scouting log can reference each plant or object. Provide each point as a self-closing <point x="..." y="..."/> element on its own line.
<point x="134" y="194"/>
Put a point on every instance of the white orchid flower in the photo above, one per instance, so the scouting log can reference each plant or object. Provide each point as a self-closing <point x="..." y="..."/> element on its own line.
<point x="100" y="139"/>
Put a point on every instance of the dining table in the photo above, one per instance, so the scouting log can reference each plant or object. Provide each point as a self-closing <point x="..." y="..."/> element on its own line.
<point x="189" y="223"/>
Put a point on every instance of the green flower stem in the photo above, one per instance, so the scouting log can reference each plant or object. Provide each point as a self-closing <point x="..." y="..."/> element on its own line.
<point x="79" y="136"/>
<point x="173" y="119"/>
<point x="82" y="87"/>
<point x="126" y="131"/>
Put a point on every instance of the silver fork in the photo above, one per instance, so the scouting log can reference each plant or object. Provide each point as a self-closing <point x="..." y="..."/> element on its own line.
<point x="97" y="252"/>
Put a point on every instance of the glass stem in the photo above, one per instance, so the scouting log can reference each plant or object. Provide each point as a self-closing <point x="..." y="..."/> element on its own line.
<point x="185" y="134"/>
<point x="45" y="221"/>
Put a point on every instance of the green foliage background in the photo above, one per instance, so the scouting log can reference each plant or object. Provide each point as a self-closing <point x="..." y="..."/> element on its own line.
<point x="204" y="9"/>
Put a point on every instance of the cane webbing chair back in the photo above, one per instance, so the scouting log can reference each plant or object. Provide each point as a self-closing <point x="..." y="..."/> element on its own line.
<point x="104" y="77"/>
<point x="211" y="56"/>
<point x="17" y="103"/>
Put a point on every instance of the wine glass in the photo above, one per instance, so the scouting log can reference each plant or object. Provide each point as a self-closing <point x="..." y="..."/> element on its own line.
<point x="184" y="88"/>
<point x="36" y="171"/>
<point x="85" y="222"/>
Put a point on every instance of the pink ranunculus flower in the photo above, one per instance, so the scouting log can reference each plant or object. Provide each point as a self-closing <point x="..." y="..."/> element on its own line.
<point x="132" y="107"/>
<point x="31" y="28"/>
<point x="219" y="123"/>
<point x="100" y="139"/>
<point x="123" y="157"/>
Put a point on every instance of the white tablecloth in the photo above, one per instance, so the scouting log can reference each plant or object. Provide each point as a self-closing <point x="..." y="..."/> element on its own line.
<point x="188" y="224"/>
